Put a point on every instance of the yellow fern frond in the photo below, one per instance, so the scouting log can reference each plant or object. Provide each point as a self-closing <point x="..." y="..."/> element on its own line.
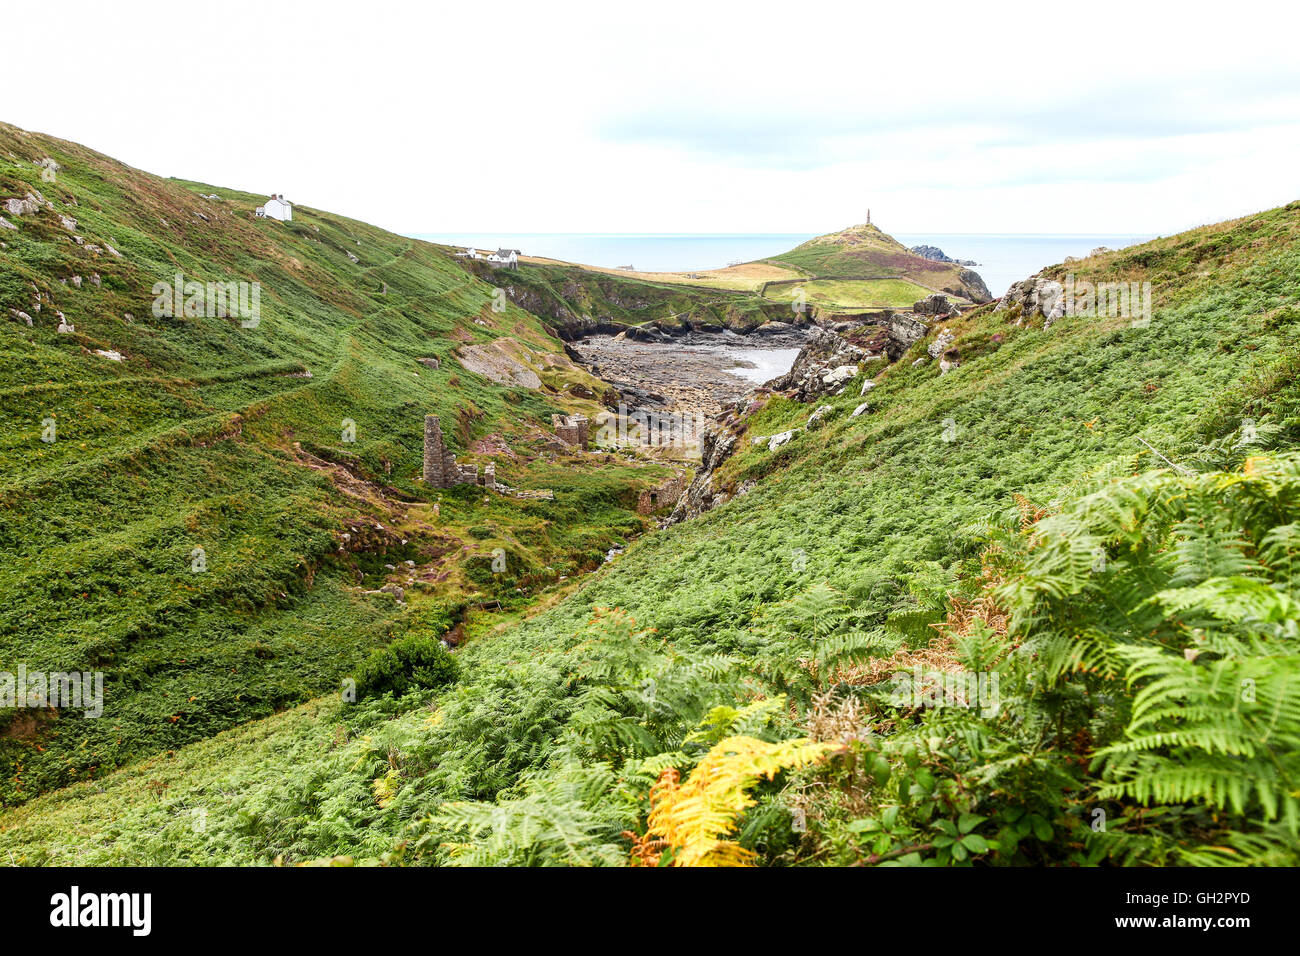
<point x="695" y="818"/>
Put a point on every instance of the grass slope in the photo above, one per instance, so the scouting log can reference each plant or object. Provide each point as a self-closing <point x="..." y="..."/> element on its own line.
<point x="230" y="439"/>
<point x="545" y="751"/>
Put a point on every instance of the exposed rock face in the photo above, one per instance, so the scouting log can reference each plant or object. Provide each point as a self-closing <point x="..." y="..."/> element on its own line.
<point x="817" y="417"/>
<point x="936" y="305"/>
<point x="935" y="254"/>
<point x="700" y="495"/>
<point x="29" y="205"/>
<point x="1035" y="297"/>
<point x="975" y="286"/>
<point x="818" y="369"/>
<point x="942" y="342"/>
<point x="904" y="331"/>
<point x="492" y="361"/>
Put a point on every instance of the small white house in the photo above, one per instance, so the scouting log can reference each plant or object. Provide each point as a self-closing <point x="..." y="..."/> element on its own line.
<point x="505" y="257"/>
<point x="277" y="207"/>
<point x="469" y="253"/>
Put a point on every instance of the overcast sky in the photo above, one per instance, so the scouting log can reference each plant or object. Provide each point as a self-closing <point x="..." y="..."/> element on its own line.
<point x="686" y="117"/>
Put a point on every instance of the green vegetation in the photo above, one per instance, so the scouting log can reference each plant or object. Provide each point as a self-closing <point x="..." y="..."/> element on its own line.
<point x="1017" y="520"/>
<point x="417" y="661"/>
<point x="200" y="528"/>
<point x="865" y="253"/>
<point x="856" y="268"/>
<point x="566" y="295"/>
<point x="836" y="294"/>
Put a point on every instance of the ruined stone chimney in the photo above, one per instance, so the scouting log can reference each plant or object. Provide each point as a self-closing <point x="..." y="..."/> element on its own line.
<point x="434" y="475"/>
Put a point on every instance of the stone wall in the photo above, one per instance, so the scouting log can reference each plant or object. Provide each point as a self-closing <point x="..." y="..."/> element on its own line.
<point x="441" y="470"/>
<point x="572" y="429"/>
<point x="665" y="496"/>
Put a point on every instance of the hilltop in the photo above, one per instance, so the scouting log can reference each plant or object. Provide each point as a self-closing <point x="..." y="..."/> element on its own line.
<point x="854" y="270"/>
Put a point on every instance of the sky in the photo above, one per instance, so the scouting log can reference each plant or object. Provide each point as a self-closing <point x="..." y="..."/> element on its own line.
<point x="697" y="117"/>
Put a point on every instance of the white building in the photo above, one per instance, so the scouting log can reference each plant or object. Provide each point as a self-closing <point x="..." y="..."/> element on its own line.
<point x="277" y="207"/>
<point x="505" y="257"/>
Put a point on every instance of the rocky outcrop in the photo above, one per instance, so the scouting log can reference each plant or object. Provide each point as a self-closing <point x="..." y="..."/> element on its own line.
<point x="935" y="254"/>
<point x="1033" y="298"/>
<point x="941" y="349"/>
<point x="493" y="361"/>
<point x="975" y="287"/>
<point x="819" y="416"/>
<point x="942" y="342"/>
<point x="936" y="305"/>
<point x="905" y="330"/>
<point x="716" y="447"/>
<point x="28" y="205"/>
<point x="823" y="366"/>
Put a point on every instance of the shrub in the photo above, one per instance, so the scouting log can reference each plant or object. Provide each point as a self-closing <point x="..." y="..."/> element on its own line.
<point x="415" y="662"/>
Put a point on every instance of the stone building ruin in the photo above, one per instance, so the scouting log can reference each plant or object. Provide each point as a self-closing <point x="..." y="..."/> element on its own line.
<point x="666" y="495"/>
<point x="441" y="470"/>
<point x="572" y="429"/>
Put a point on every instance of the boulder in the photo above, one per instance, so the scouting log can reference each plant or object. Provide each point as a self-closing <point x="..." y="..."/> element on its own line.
<point x="942" y="342"/>
<point x="27" y="206"/>
<point x="839" y="375"/>
<point x="861" y="409"/>
<point x="1035" y="297"/>
<point x="937" y="305"/>
<point x="817" y="417"/>
<point x="776" y="441"/>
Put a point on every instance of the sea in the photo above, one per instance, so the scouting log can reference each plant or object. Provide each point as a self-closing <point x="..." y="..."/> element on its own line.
<point x="1003" y="258"/>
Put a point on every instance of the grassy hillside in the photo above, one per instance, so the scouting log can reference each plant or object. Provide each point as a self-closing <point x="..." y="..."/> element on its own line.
<point x="863" y="253"/>
<point x="855" y="268"/>
<point x="1017" y="516"/>
<point x="575" y="300"/>
<point x="129" y="440"/>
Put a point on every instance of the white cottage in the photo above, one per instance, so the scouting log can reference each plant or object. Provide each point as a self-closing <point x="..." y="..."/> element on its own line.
<point x="506" y="257"/>
<point x="277" y="207"/>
